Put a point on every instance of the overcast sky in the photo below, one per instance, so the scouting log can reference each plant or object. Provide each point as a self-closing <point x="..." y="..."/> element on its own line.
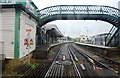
<point x="74" y="28"/>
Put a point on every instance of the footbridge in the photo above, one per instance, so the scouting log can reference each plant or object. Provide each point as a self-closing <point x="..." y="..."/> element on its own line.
<point x="80" y="12"/>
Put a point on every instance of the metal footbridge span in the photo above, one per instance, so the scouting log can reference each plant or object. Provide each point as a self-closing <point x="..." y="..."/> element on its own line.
<point x="80" y="12"/>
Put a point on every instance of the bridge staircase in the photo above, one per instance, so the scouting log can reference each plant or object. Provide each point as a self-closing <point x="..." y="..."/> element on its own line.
<point x="112" y="39"/>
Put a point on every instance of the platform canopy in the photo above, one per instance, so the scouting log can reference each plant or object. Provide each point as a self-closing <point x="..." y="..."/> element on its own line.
<point x="54" y="29"/>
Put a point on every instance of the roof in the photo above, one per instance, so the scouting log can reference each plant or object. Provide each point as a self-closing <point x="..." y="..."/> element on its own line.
<point x="34" y="4"/>
<point x="20" y="7"/>
<point x="102" y="34"/>
<point x="54" y="28"/>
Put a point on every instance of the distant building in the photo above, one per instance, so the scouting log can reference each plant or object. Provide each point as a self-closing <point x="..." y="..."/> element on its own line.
<point x="119" y="5"/>
<point x="82" y="38"/>
<point x="99" y="39"/>
<point x="85" y="39"/>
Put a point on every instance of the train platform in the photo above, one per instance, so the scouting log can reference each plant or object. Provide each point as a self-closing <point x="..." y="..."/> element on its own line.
<point x="104" y="50"/>
<point x="99" y="46"/>
<point x="46" y="47"/>
<point x="43" y="47"/>
<point x="41" y="51"/>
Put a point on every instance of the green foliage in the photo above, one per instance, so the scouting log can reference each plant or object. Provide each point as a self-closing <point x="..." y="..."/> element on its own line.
<point x="34" y="66"/>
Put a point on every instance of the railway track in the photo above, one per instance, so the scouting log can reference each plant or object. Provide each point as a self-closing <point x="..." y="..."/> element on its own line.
<point x="39" y="72"/>
<point x="55" y="70"/>
<point x="68" y="62"/>
<point x="105" y="63"/>
<point x="82" y="64"/>
<point x="58" y="68"/>
<point x="112" y="63"/>
<point x="74" y="58"/>
<point x="88" y="68"/>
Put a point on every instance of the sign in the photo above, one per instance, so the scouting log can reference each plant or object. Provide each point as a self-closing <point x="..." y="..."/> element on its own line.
<point x="28" y="41"/>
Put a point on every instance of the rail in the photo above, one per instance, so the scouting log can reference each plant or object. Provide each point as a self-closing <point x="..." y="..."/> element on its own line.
<point x="75" y="66"/>
<point x="98" y="62"/>
<point x="52" y="66"/>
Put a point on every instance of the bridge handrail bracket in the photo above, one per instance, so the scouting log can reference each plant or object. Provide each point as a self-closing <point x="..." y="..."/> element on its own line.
<point x="87" y="11"/>
<point x="74" y="12"/>
<point x="101" y="12"/>
<point x="60" y="12"/>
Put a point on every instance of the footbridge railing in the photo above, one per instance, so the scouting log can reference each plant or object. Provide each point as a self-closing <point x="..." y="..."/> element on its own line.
<point x="80" y="12"/>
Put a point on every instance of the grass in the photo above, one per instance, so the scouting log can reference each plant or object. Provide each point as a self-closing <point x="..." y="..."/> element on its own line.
<point x="116" y="58"/>
<point x="34" y="66"/>
<point x="10" y="67"/>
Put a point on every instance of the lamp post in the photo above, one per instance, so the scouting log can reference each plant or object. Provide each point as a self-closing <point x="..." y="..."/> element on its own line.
<point x="86" y="34"/>
<point x="87" y="31"/>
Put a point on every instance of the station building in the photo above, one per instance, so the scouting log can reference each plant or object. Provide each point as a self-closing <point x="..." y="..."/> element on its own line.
<point x="99" y="39"/>
<point x="48" y="34"/>
<point x="18" y="22"/>
<point x="53" y="34"/>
